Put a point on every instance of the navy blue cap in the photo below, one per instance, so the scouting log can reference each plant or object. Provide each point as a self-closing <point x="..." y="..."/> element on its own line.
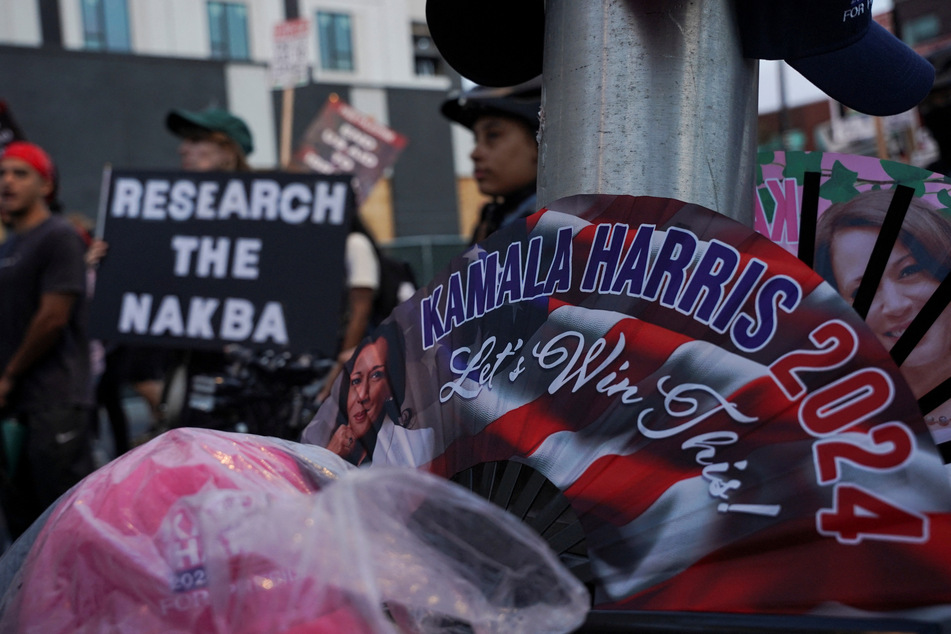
<point x="837" y="46"/>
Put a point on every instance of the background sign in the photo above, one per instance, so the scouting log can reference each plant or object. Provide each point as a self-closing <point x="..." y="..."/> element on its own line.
<point x="207" y="259"/>
<point x="289" y="63"/>
<point x="343" y="140"/>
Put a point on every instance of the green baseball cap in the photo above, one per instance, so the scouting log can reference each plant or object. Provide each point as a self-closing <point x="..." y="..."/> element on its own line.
<point x="182" y="122"/>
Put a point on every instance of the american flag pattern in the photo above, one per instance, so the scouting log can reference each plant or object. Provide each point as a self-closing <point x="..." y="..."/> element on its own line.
<point x="700" y="481"/>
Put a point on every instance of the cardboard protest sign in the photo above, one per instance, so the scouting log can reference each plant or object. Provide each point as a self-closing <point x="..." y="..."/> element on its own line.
<point x="847" y="205"/>
<point x="729" y="433"/>
<point x="343" y="140"/>
<point x="206" y="259"/>
<point x="289" y="67"/>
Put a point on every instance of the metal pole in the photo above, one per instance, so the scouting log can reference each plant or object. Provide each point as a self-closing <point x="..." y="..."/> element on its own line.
<point x="648" y="97"/>
<point x="783" y="107"/>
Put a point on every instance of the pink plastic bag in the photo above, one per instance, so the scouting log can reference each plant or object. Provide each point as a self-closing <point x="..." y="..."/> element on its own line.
<point x="214" y="532"/>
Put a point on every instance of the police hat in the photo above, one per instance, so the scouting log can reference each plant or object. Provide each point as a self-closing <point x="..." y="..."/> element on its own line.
<point x="522" y="102"/>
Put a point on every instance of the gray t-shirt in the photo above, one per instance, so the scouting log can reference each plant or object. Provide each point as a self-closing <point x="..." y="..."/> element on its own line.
<point x="47" y="258"/>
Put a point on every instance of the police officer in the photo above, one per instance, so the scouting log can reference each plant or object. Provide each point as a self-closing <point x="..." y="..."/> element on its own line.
<point x="504" y="122"/>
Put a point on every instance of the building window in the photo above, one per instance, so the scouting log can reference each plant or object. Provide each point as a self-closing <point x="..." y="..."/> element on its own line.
<point x="426" y="58"/>
<point x="921" y="29"/>
<point x="335" y="41"/>
<point x="106" y="25"/>
<point x="228" y="27"/>
<point x="425" y="67"/>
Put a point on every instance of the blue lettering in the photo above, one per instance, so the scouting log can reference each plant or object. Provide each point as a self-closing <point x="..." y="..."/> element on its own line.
<point x="738" y="295"/>
<point x="633" y="270"/>
<point x="480" y="285"/>
<point x="559" y="274"/>
<point x="603" y="257"/>
<point x="716" y="268"/>
<point x="455" y="302"/>
<point x="532" y="287"/>
<point x="511" y="282"/>
<point x="672" y="261"/>
<point x="750" y="337"/>
<point x="433" y="327"/>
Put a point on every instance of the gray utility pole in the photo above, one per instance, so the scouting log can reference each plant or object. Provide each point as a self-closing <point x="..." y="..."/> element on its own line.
<point x="648" y="98"/>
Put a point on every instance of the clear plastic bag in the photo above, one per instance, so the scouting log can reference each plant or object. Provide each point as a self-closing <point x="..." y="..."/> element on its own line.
<point x="209" y="531"/>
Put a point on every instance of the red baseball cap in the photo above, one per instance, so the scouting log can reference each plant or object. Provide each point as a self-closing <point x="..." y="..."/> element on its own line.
<point x="33" y="154"/>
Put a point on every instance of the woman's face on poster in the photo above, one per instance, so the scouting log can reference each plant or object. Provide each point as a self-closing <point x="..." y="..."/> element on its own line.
<point x="369" y="387"/>
<point x="904" y="289"/>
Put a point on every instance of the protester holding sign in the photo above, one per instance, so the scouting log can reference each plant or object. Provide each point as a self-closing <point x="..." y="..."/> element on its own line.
<point x="44" y="350"/>
<point x="505" y="158"/>
<point x="212" y="140"/>
<point x="221" y="265"/>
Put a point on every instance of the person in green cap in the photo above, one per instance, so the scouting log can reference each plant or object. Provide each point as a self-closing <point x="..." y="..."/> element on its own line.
<point x="212" y="140"/>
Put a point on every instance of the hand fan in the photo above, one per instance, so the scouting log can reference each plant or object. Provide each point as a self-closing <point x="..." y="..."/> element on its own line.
<point x="728" y="433"/>
<point x="880" y="232"/>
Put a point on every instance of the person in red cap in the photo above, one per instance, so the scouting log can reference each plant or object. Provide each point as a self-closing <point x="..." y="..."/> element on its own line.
<point x="44" y="350"/>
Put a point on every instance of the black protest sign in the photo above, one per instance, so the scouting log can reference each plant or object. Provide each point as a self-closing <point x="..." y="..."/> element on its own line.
<point x="343" y="140"/>
<point x="207" y="259"/>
